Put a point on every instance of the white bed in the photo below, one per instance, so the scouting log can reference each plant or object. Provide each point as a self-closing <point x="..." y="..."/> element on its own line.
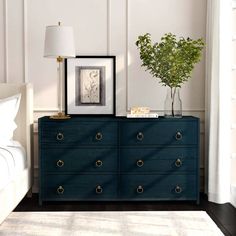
<point x="19" y="181"/>
<point x="13" y="161"/>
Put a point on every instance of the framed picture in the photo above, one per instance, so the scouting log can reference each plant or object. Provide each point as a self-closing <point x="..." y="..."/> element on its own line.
<point x="90" y="85"/>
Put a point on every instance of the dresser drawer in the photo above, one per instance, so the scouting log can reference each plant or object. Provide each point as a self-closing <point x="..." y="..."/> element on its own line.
<point x="77" y="134"/>
<point x="158" y="133"/>
<point x="164" y="160"/>
<point x="80" y="160"/>
<point x="162" y="187"/>
<point x="79" y="187"/>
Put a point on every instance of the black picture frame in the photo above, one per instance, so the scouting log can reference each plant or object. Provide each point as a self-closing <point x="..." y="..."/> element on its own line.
<point x="90" y="85"/>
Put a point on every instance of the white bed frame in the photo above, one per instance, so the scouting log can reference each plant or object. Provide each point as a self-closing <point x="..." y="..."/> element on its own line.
<point x="14" y="192"/>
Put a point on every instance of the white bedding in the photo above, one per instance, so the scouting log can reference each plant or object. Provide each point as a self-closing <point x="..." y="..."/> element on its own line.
<point x="12" y="162"/>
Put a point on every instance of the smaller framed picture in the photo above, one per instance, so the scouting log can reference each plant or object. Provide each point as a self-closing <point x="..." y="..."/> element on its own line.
<point x="90" y="85"/>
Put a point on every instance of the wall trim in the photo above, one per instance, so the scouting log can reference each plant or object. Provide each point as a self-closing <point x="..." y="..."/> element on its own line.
<point x="43" y="109"/>
<point x="126" y="52"/>
<point x="25" y="51"/>
<point x="127" y="64"/>
<point x="5" y="13"/>
<point x="25" y="41"/>
<point x="108" y="27"/>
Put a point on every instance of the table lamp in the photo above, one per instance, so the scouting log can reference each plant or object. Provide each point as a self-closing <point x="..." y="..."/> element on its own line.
<point x="59" y="44"/>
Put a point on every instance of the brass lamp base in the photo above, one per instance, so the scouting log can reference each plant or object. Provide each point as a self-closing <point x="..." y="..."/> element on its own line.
<point x="60" y="116"/>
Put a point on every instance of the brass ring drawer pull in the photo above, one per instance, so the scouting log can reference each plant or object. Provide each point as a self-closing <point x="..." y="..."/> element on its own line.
<point x="140" y="163"/>
<point x="178" y="136"/>
<point x="60" y="163"/>
<point x="99" y="163"/>
<point x="99" y="189"/>
<point x="139" y="189"/>
<point x="98" y="136"/>
<point x="178" y="189"/>
<point x="60" y="190"/>
<point x="178" y="163"/>
<point x="140" y="136"/>
<point x="60" y="136"/>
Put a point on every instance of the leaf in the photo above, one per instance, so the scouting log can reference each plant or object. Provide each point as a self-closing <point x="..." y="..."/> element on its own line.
<point x="171" y="60"/>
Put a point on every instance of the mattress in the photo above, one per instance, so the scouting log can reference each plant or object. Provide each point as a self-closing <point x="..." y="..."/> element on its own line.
<point x="12" y="162"/>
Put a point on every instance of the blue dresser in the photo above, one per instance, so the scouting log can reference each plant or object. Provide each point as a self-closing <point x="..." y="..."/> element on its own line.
<point x="118" y="159"/>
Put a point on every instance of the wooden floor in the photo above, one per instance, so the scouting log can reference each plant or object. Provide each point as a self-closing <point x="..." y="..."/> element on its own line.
<point x="224" y="215"/>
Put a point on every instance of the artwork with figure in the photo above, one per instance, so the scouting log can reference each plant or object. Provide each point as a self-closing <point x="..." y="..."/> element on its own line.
<point x="90" y="86"/>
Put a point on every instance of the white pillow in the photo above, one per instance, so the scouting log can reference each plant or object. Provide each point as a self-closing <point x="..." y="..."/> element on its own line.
<point x="8" y="111"/>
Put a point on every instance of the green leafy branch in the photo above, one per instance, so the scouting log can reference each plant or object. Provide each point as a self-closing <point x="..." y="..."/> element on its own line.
<point x="171" y="60"/>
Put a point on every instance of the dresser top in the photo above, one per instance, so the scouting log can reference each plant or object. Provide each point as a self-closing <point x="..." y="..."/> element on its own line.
<point x="119" y="118"/>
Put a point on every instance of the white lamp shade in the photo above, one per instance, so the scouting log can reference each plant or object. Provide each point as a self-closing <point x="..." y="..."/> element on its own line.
<point x="59" y="41"/>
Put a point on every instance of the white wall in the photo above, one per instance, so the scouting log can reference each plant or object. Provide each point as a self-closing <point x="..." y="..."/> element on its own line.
<point x="102" y="27"/>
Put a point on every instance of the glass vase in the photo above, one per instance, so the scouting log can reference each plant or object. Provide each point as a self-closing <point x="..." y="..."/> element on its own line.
<point x="173" y="103"/>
